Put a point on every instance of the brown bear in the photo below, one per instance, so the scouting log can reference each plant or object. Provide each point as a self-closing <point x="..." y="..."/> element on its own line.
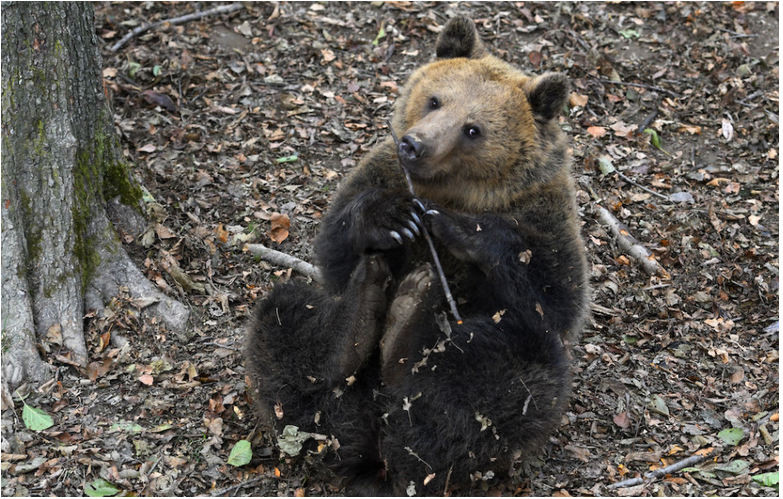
<point x="418" y="402"/>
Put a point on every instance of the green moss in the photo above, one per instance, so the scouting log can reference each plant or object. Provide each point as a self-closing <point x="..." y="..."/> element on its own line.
<point x="98" y="163"/>
<point x="33" y="233"/>
<point x="117" y="180"/>
<point x="84" y="247"/>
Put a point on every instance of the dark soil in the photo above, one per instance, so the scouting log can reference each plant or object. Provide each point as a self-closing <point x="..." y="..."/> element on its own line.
<point x="241" y="127"/>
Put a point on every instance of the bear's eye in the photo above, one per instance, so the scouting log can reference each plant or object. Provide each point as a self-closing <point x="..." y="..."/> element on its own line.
<point x="434" y="103"/>
<point x="472" y="131"/>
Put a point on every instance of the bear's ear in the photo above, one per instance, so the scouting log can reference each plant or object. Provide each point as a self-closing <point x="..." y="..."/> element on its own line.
<point x="547" y="94"/>
<point x="459" y="38"/>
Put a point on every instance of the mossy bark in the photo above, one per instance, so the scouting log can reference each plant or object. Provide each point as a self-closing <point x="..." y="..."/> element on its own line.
<point x="61" y="163"/>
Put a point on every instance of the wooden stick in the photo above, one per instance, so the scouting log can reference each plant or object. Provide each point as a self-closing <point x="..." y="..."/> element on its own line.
<point x="690" y="461"/>
<point x="662" y="196"/>
<point x="285" y="260"/>
<point x="640" y="85"/>
<point x="176" y="20"/>
<point x="629" y="244"/>
<point x="435" y="259"/>
<point x="649" y="119"/>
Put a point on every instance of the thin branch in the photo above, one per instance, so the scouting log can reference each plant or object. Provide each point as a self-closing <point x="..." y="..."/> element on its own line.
<point x="285" y="260"/>
<point x="238" y="486"/>
<point x="175" y="20"/>
<point x="649" y="119"/>
<point x="734" y="34"/>
<point x="652" y="475"/>
<point x="435" y="259"/>
<point x="662" y="196"/>
<point x="640" y="85"/>
<point x="629" y="244"/>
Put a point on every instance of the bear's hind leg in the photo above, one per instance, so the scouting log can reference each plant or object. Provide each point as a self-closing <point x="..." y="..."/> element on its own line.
<point x="358" y="318"/>
<point x="412" y="309"/>
<point x="303" y="343"/>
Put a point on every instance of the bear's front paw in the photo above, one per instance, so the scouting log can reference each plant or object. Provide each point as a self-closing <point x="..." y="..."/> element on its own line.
<point x="444" y="225"/>
<point x="383" y="220"/>
<point x="461" y="234"/>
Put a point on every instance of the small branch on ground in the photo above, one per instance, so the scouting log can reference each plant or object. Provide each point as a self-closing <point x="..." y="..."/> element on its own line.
<point x="629" y="244"/>
<point x="661" y="472"/>
<point x="640" y="85"/>
<point x="175" y="20"/>
<point x="285" y="260"/>
<point x="233" y="488"/>
<point x="662" y="196"/>
<point x="646" y="123"/>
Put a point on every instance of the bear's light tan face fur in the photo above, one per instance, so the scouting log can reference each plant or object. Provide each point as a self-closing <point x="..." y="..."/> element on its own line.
<point x="461" y="168"/>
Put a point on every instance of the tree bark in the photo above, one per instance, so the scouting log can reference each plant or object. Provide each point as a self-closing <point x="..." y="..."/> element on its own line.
<point x="61" y="163"/>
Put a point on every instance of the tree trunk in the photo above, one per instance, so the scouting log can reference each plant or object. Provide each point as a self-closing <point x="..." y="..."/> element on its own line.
<point x="61" y="163"/>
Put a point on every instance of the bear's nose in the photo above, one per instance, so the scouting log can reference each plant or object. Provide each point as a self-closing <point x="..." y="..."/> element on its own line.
<point x="410" y="149"/>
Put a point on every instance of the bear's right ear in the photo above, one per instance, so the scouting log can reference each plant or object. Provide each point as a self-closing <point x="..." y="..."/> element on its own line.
<point x="459" y="38"/>
<point x="547" y="94"/>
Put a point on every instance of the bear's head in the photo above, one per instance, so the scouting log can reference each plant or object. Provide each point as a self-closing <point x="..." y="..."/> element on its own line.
<point x="475" y="132"/>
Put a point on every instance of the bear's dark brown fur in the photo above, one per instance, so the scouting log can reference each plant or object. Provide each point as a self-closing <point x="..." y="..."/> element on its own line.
<point x="419" y="402"/>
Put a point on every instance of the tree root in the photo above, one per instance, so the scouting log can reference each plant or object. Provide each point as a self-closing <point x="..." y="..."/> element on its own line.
<point x="118" y="270"/>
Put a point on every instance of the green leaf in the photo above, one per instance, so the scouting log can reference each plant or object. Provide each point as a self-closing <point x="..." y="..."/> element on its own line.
<point x="156" y="70"/>
<point x="605" y="165"/>
<point x="101" y="488"/>
<point x="36" y="419"/>
<point x="655" y="139"/>
<point x="381" y="34"/>
<point x="631" y="340"/>
<point x="291" y="440"/>
<point x="241" y="454"/>
<point x="657" y="404"/>
<point x="731" y="436"/>
<point x="133" y="67"/>
<point x="146" y="196"/>
<point x="629" y="33"/>
<point x="734" y="467"/>
<point x="768" y="479"/>
<point x="288" y="159"/>
<point x="132" y="427"/>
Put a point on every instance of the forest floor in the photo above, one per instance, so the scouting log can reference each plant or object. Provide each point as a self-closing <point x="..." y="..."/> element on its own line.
<point x="241" y="126"/>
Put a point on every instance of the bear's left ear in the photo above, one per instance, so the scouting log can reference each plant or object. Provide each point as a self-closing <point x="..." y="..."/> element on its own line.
<point x="459" y="38"/>
<point x="547" y="94"/>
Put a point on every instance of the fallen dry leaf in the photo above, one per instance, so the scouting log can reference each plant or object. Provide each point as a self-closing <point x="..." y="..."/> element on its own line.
<point x="280" y="225"/>
<point x="596" y="131"/>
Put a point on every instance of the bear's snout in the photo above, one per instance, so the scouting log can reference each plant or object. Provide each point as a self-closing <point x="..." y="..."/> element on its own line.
<point x="410" y="149"/>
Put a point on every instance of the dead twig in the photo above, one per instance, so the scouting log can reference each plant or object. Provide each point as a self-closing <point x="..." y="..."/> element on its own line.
<point x="435" y="259"/>
<point x="655" y="474"/>
<point x="629" y="244"/>
<point x="237" y="487"/>
<point x="175" y="20"/>
<point x="649" y="119"/>
<point x="285" y="260"/>
<point x="640" y="85"/>
<point x="662" y="196"/>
